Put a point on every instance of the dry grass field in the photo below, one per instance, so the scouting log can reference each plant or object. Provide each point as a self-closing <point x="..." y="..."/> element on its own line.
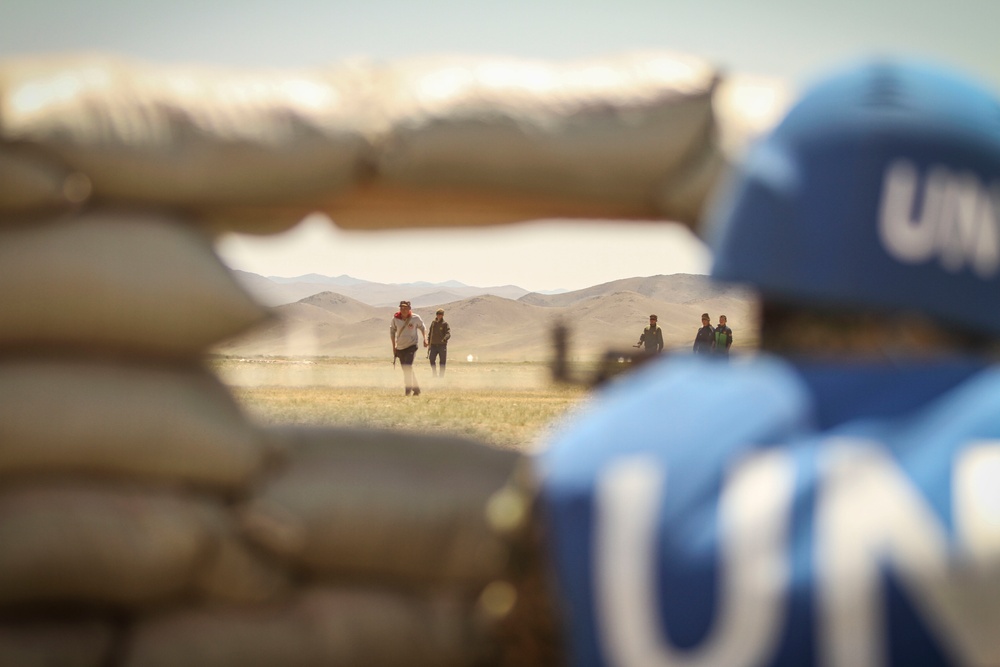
<point x="506" y="404"/>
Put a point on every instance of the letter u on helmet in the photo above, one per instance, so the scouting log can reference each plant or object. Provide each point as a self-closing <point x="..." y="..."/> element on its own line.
<point x="880" y="189"/>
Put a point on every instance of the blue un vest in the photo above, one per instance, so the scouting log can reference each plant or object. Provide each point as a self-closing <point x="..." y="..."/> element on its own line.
<point x="848" y="517"/>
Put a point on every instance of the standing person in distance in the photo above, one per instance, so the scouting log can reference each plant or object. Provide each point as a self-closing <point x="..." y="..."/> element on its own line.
<point x="403" y="333"/>
<point x="651" y="339"/>
<point x="437" y="338"/>
<point x="704" y="340"/>
<point x="723" y="338"/>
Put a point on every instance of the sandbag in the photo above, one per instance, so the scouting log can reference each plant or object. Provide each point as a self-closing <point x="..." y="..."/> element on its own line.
<point x="177" y="425"/>
<point x="237" y="573"/>
<point x="33" y="186"/>
<point x="86" y="642"/>
<point x="317" y="628"/>
<point x="118" y="281"/>
<point x="186" y="137"/>
<point x="385" y="506"/>
<point x="83" y="544"/>
<point x="619" y="137"/>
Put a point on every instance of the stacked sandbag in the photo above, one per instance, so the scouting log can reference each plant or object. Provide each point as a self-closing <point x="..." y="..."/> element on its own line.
<point x="401" y="549"/>
<point x="421" y="142"/>
<point x="144" y="521"/>
<point x="121" y="455"/>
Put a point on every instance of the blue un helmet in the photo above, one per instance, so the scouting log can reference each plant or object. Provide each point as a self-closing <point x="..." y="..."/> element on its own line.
<point x="879" y="190"/>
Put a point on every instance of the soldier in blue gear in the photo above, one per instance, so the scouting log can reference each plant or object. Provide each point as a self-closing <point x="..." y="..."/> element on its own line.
<point x="844" y="508"/>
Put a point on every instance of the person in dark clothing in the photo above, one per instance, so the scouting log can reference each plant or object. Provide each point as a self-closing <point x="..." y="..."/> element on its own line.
<point x="704" y="340"/>
<point x="651" y="339"/>
<point x="438" y="335"/>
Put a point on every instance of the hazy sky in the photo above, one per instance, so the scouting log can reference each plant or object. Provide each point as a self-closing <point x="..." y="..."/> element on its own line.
<point x="787" y="38"/>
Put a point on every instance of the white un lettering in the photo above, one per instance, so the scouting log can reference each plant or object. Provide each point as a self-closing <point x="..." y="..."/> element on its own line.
<point x="869" y="517"/>
<point x="953" y="217"/>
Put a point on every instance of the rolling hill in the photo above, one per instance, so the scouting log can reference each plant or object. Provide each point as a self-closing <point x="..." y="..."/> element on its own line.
<point x="502" y="328"/>
<point x="278" y="291"/>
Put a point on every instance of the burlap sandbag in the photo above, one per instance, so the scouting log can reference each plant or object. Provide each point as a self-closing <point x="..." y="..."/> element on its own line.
<point x="86" y="642"/>
<point x="130" y="282"/>
<point x="619" y="137"/>
<point x="238" y="573"/>
<point x="75" y="543"/>
<point x="385" y="506"/>
<point x="31" y="185"/>
<point x="169" y="424"/>
<point x="317" y="629"/>
<point x="187" y="137"/>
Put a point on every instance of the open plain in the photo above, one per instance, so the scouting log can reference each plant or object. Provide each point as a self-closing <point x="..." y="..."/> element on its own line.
<point x="510" y="405"/>
<point x="325" y="358"/>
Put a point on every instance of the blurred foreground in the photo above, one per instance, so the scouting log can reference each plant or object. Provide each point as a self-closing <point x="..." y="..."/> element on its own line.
<point x="145" y="521"/>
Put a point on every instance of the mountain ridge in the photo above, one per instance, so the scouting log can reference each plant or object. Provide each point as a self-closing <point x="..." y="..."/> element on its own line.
<point x="277" y="291"/>
<point x="488" y="326"/>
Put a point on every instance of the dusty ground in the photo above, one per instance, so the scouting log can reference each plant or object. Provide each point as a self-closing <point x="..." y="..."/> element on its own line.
<point x="506" y="404"/>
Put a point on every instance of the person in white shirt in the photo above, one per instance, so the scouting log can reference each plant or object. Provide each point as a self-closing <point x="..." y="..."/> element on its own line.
<point x="403" y="333"/>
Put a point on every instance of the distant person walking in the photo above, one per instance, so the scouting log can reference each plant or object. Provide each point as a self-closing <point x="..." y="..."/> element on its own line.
<point x="651" y="339"/>
<point x="723" y="338"/>
<point x="437" y="338"/>
<point x="403" y="332"/>
<point x="704" y="340"/>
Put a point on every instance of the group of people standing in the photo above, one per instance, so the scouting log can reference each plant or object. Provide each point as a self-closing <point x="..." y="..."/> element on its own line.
<point x="709" y="340"/>
<point x="407" y="329"/>
<point x="713" y="340"/>
<point x="403" y="333"/>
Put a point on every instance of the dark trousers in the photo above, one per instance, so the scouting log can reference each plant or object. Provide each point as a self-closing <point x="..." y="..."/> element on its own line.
<point x="435" y="352"/>
<point x="405" y="357"/>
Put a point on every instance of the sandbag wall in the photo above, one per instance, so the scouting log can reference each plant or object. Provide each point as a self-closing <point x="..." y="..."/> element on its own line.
<point x="144" y="521"/>
<point x="422" y="142"/>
